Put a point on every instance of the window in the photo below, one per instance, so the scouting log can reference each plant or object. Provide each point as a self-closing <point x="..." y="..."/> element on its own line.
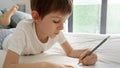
<point x="95" y="16"/>
<point x="113" y="17"/>
<point x="86" y="16"/>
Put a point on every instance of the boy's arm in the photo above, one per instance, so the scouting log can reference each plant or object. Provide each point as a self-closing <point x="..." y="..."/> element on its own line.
<point x="89" y="60"/>
<point x="11" y="58"/>
<point x="70" y="51"/>
<point x="12" y="61"/>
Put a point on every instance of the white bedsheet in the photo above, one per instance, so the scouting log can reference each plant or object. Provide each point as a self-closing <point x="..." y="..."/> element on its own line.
<point x="108" y="53"/>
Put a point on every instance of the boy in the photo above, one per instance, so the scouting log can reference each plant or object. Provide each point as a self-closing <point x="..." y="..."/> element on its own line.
<point x="39" y="34"/>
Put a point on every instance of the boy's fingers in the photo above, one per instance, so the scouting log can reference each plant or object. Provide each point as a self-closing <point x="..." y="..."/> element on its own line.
<point x="89" y="60"/>
<point x="83" y="54"/>
<point x="81" y="57"/>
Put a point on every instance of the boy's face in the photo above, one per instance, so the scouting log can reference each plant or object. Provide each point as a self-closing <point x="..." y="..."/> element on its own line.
<point x="51" y="24"/>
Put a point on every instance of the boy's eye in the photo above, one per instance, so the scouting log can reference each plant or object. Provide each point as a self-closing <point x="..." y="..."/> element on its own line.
<point x="56" y="21"/>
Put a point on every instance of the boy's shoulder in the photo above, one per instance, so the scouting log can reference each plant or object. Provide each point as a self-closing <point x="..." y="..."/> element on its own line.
<point x="27" y="23"/>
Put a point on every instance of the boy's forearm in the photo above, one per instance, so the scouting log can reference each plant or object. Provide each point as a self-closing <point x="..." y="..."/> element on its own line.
<point x="33" y="65"/>
<point x="75" y="53"/>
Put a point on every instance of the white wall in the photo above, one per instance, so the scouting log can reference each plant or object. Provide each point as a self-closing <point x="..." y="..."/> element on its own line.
<point x="6" y="4"/>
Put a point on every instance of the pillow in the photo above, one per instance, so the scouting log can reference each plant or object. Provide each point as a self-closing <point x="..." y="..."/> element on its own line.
<point x="18" y="16"/>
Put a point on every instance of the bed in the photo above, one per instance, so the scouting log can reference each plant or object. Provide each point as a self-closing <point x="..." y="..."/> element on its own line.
<point x="108" y="53"/>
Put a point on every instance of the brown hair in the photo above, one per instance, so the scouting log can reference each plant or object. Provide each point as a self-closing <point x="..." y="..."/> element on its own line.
<point x="44" y="7"/>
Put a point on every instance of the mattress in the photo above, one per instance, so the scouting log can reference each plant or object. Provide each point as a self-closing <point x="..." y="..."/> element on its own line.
<point x="108" y="53"/>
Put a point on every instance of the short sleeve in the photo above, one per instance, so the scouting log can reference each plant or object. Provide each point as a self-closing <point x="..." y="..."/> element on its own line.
<point x="61" y="38"/>
<point x="16" y="42"/>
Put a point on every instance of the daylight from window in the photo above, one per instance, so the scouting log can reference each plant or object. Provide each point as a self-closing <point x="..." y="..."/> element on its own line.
<point x="113" y="17"/>
<point x="86" y="16"/>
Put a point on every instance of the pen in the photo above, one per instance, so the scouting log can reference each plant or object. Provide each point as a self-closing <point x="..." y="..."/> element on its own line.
<point x="96" y="47"/>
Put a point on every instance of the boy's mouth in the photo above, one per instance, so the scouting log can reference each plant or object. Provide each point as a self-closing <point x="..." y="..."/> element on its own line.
<point x="56" y="33"/>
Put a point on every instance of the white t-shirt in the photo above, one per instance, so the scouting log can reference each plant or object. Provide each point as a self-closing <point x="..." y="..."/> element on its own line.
<point x="24" y="40"/>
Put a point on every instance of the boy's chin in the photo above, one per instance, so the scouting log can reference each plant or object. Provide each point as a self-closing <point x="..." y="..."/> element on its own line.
<point x="53" y="36"/>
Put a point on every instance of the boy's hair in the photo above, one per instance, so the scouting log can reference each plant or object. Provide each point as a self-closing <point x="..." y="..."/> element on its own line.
<point x="44" y="7"/>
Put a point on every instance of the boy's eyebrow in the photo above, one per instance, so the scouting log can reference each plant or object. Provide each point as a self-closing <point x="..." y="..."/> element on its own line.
<point x="56" y="17"/>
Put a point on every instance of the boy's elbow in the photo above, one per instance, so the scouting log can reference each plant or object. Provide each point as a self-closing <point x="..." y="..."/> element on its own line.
<point x="6" y="66"/>
<point x="11" y="66"/>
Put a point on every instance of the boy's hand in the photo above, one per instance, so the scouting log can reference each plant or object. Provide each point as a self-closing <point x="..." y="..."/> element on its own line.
<point x="88" y="60"/>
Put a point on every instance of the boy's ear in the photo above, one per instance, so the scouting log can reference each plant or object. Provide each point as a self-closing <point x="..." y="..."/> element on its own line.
<point x="35" y="16"/>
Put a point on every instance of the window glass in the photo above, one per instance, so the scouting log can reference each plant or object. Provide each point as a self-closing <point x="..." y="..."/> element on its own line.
<point x="113" y="17"/>
<point x="86" y="16"/>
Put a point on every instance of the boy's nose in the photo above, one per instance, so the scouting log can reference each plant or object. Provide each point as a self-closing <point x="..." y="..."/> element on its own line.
<point x="60" y="27"/>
